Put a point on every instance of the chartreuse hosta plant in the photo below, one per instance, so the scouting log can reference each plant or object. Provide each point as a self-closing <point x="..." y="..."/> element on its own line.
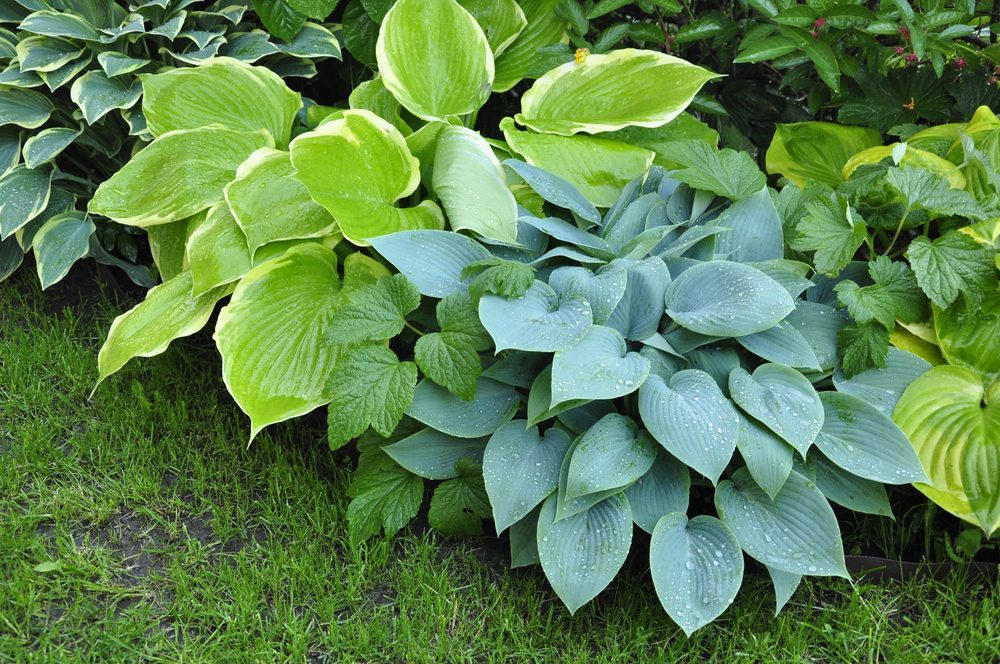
<point x="232" y="179"/>
<point x="924" y="216"/>
<point x="70" y="113"/>
<point x="634" y="356"/>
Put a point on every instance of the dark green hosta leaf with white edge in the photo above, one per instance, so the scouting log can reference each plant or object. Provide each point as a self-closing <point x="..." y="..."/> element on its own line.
<point x="270" y="204"/>
<point x="432" y="260"/>
<point x="555" y="190"/>
<point x="175" y="176"/>
<point x="460" y="504"/>
<point x="117" y="64"/>
<point x="882" y="387"/>
<point x="638" y="313"/>
<point x="969" y="338"/>
<point x="10" y="148"/>
<point x="605" y="92"/>
<point x="24" y="194"/>
<point x="357" y="167"/>
<point x="384" y="495"/>
<point x="97" y="95"/>
<point x="11" y="257"/>
<point x="472" y="186"/>
<point x="598" y="366"/>
<point x="663" y="489"/>
<point x="493" y="406"/>
<point x="768" y="458"/>
<point x="953" y="421"/>
<point x="853" y="492"/>
<point x="521" y="468"/>
<point x="60" y="242"/>
<point x="697" y="568"/>
<point x="582" y="554"/>
<point x="599" y="168"/>
<point x="272" y="335"/>
<point x="782" y="344"/>
<point x="312" y="41"/>
<point x="373" y="312"/>
<point x="223" y="91"/>
<point x="726" y="299"/>
<point x="861" y="439"/>
<point x="819" y="324"/>
<point x="540" y="321"/>
<point x="604" y="289"/>
<point x="754" y="230"/>
<point x="614" y="452"/>
<point x="953" y="263"/>
<point x="795" y="532"/>
<point x="783" y="400"/>
<point x="367" y="386"/>
<point x="168" y="312"/>
<point x="46" y="145"/>
<point x="46" y="54"/>
<point x="692" y="419"/>
<point x="24" y="108"/>
<point x="785" y="584"/>
<point x="544" y="27"/>
<point x="434" y="58"/>
<point x="216" y="250"/>
<point x="59" y="24"/>
<point x="433" y="455"/>
<point x="501" y="20"/>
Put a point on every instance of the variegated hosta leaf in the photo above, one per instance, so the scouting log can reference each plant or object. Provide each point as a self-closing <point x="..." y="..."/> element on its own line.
<point x="168" y="312"/>
<point x="270" y="204"/>
<point x="60" y="242"/>
<point x="472" y="186"/>
<point x="24" y="193"/>
<point x="544" y="27"/>
<point x="24" y="108"/>
<point x="357" y="167"/>
<point x="599" y="168"/>
<point x="605" y="92"/>
<point x="97" y="95"/>
<point x="953" y="421"/>
<point x="216" y="250"/>
<point x="222" y="91"/>
<point x="175" y="176"/>
<point x="501" y="20"/>
<point x="434" y="58"/>
<point x="272" y="335"/>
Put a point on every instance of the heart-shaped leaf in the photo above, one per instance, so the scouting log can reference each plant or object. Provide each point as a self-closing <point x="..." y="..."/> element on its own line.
<point x="539" y="321"/>
<point x="883" y="386"/>
<point x="492" y="407"/>
<point x="663" y="489"/>
<point x="598" y="366"/>
<point x="604" y="289"/>
<point x="432" y="454"/>
<point x="697" y="568"/>
<point x="432" y="260"/>
<point x="692" y="419"/>
<point x="783" y="400"/>
<point x="612" y="453"/>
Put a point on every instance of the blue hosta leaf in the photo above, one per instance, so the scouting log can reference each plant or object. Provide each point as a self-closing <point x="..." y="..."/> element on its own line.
<point x="612" y="453"/>
<point x="819" y="324"/>
<point x="849" y="490"/>
<point x="663" y="489"/>
<point x="639" y="312"/>
<point x="754" y="230"/>
<point x="598" y="366"/>
<point x="540" y="407"/>
<point x="697" y="568"/>
<point x="585" y="415"/>
<point x="882" y="387"/>
<point x="692" y="419"/>
<point x="768" y="458"/>
<point x="539" y="321"/>
<point x="783" y="344"/>
<point x="796" y="531"/>
<point x="861" y="439"/>
<point x="785" y="584"/>
<point x="630" y="222"/>
<point x="524" y="541"/>
<point x="432" y="454"/>
<point x="582" y="554"/>
<point x="432" y="260"/>
<point x="790" y="274"/>
<point x="604" y="289"/>
<point x="517" y="367"/>
<point x="521" y="469"/>
<point x="493" y="406"/>
<point x="60" y="242"/>
<point x="567" y="232"/>
<point x="555" y="190"/>
<point x="783" y="400"/>
<point x="726" y="299"/>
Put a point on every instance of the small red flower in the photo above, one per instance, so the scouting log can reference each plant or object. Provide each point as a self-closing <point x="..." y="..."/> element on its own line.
<point x="912" y="58"/>
<point x="820" y="22"/>
<point x="905" y="32"/>
<point x="899" y="50"/>
<point x="959" y="63"/>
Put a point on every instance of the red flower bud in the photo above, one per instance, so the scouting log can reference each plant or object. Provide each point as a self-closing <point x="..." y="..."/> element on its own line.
<point x="905" y="32"/>
<point x="912" y="58"/>
<point x="899" y="50"/>
<point x="820" y="22"/>
<point x="960" y="63"/>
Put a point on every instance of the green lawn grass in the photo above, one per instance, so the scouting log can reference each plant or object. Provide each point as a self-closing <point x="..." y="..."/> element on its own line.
<point x="137" y="526"/>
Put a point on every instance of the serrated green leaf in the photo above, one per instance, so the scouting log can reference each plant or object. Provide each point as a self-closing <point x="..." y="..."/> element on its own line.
<point x="831" y="230"/>
<point x="728" y="173"/>
<point x="951" y="264"/>
<point x="459" y="506"/>
<point x="862" y="347"/>
<point x="449" y="360"/>
<point x="384" y="496"/>
<point x="894" y="295"/>
<point x="375" y="312"/>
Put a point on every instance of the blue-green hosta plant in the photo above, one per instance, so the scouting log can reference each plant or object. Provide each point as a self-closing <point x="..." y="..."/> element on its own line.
<point x="907" y="235"/>
<point x="661" y="349"/>
<point x="70" y="112"/>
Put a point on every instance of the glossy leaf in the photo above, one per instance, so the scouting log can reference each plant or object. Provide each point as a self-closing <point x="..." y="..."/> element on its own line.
<point x="493" y="406"/>
<point x="24" y="194"/>
<point x="783" y="400"/>
<point x="544" y="27"/>
<point x="216" y="250"/>
<point x="882" y="387"/>
<point x="598" y="366"/>
<point x="663" y="489"/>
<point x="433" y="260"/>
<point x="612" y="453"/>
<point x="60" y="242"/>
<point x="540" y="321"/>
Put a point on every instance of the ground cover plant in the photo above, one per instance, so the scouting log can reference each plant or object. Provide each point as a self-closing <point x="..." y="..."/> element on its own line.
<point x="70" y="111"/>
<point x="138" y="525"/>
<point x="921" y="214"/>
